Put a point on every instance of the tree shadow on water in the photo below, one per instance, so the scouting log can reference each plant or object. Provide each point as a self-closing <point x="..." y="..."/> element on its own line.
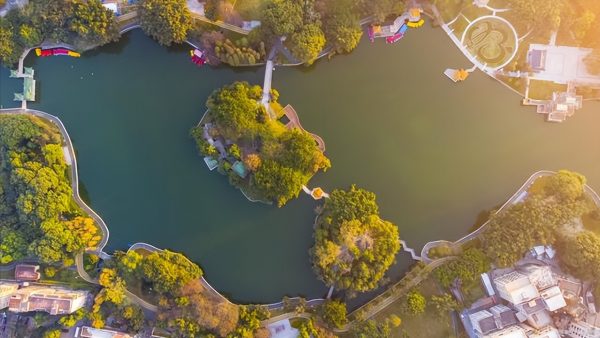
<point x="114" y="48"/>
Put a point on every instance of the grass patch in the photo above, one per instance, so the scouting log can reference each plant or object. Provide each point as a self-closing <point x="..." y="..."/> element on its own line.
<point x="68" y="278"/>
<point x="142" y="290"/>
<point x="459" y="27"/>
<point x="542" y="90"/>
<point x="426" y="325"/>
<point x="143" y="252"/>
<point x="472" y="293"/>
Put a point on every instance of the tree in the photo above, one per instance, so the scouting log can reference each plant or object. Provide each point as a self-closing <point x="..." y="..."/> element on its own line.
<point x="381" y="9"/>
<point x="342" y="29"/>
<point x="96" y="319"/>
<point x="277" y="182"/>
<point x="445" y="304"/>
<point x="31" y="36"/>
<point x="130" y="262"/>
<point x="307" y="43"/>
<point x="114" y="286"/>
<point x="539" y="15"/>
<point x="93" y="21"/>
<point x="168" y="271"/>
<point x="13" y="246"/>
<point x="283" y="17"/>
<point x="302" y="153"/>
<point x="353" y="247"/>
<point x="167" y="21"/>
<point x="333" y="313"/>
<point x="566" y="185"/>
<point x="252" y="162"/>
<point x="234" y="106"/>
<point x="71" y="319"/>
<point x="472" y="263"/>
<point x="52" y="333"/>
<point x="371" y="329"/>
<point x="7" y="44"/>
<point x="415" y="302"/>
<point x="592" y="62"/>
<point x="579" y="255"/>
<point x="583" y="24"/>
<point x="16" y="130"/>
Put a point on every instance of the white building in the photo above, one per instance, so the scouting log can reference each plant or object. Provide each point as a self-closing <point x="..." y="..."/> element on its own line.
<point x="553" y="298"/>
<point x="516" y="288"/>
<point x="509" y="332"/>
<point x="282" y="329"/>
<point x="55" y="301"/>
<point x="583" y="330"/>
<point x="6" y="290"/>
<point x="483" y="322"/>
<point x="89" y="332"/>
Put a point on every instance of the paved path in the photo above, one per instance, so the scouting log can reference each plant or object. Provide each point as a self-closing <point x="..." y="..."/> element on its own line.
<point x="74" y="174"/>
<point x="515" y="198"/>
<point x="220" y="24"/>
<point x="291" y="114"/>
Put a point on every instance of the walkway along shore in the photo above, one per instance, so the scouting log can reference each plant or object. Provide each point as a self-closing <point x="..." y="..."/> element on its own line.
<point x="515" y="198"/>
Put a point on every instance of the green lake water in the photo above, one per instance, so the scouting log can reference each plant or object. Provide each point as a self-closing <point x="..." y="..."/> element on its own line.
<point x="434" y="152"/>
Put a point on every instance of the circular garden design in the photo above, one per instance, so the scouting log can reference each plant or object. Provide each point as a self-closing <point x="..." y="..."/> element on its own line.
<point x="492" y="40"/>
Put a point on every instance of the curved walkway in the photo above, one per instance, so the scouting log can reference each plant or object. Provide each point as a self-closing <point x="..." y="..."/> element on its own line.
<point x="291" y="114"/>
<point x="74" y="174"/>
<point x="515" y="198"/>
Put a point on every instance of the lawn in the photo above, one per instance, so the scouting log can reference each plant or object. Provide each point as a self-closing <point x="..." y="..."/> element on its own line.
<point x="426" y="325"/>
<point x="250" y="9"/>
<point x="472" y="293"/>
<point x="542" y="90"/>
<point x="8" y="274"/>
<point x="67" y="277"/>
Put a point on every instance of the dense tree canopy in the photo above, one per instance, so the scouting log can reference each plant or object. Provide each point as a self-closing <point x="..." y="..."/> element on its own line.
<point x="235" y="106"/>
<point x="283" y="17"/>
<point x="307" y="42"/>
<point x="37" y="213"/>
<point x="470" y="265"/>
<point x="579" y="255"/>
<point x="415" y="302"/>
<point x="333" y="313"/>
<point x="167" y="21"/>
<point x="353" y="246"/>
<point x="534" y="221"/>
<point x="280" y="160"/>
<point x="84" y="24"/>
<point x="168" y="271"/>
<point x="539" y="15"/>
<point x="342" y="29"/>
<point x="92" y="20"/>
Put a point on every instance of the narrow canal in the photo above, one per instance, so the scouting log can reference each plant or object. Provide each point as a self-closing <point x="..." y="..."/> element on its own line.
<point x="435" y="153"/>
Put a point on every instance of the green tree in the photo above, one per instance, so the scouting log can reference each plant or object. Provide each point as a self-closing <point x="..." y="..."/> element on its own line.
<point x="579" y="255"/>
<point x="539" y="15"/>
<point x="130" y="262"/>
<point x="277" y="182"/>
<point x="31" y="36"/>
<point x="371" y="329"/>
<point x="168" y="271"/>
<point x="353" y="247"/>
<point x="235" y="107"/>
<point x="444" y="304"/>
<point x="8" y="53"/>
<point x="93" y="21"/>
<point x="307" y="43"/>
<point x="16" y="130"/>
<point x="283" y="17"/>
<point x="583" y="24"/>
<point x="333" y="313"/>
<point x="566" y="185"/>
<point x="415" y="302"/>
<point x="592" y="62"/>
<point x="114" y="286"/>
<point x="52" y="333"/>
<point x="167" y="21"/>
<point x="342" y="29"/>
<point x="13" y="246"/>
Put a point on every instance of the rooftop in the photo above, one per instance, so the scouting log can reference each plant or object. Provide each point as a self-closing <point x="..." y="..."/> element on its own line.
<point x="561" y="64"/>
<point x="553" y="298"/>
<point x="88" y="332"/>
<point x="27" y="272"/>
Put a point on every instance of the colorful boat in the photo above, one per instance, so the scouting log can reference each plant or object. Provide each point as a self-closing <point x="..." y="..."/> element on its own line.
<point x="416" y="24"/>
<point x="399" y="35"/>
<point x="56" y="51"/>
<point x="197" y="57"/>
<point x="371" y="37"/>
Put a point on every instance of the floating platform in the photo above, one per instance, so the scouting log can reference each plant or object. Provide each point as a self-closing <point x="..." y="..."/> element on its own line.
<point x="56" y="51"/>
<point x="416" y="24"/>
<point x="456" y="75"/>
<point x="197" y="57"/>
<point x="399" y="35"/>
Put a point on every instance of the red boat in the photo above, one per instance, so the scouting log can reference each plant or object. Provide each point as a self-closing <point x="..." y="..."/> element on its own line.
<point x="198" y="57"/>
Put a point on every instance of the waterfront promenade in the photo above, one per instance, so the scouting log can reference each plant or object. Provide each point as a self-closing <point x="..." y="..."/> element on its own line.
<point x="517" y="197"/>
